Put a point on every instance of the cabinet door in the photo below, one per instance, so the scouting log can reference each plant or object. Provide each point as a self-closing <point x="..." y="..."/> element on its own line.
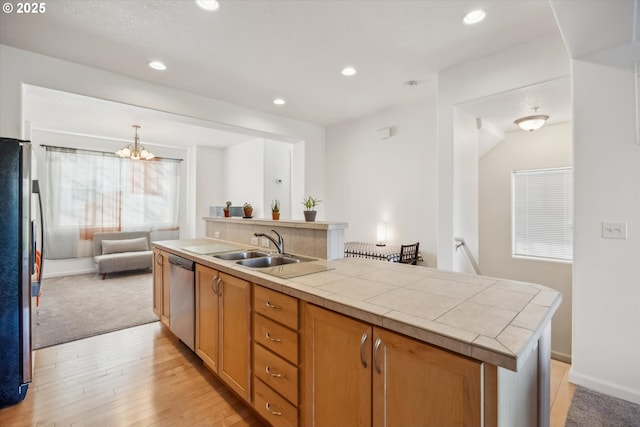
<point x="207" y="316"/>
<point x="420" y="385"/>
<point x="336" y="368"/>
<point x="235" y="334"/>
<point x="157" y="282"/>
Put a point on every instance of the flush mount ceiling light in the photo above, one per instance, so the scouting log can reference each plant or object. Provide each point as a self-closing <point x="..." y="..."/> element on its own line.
<point x="210" y="5"/>
<point x="532" y="123"/>
<point x="157" y="65"/>
<point x="349" y="71"/>
<point x="474" y="17"/>
<point x="138" y="152"/>
<point x="279" y="101"/>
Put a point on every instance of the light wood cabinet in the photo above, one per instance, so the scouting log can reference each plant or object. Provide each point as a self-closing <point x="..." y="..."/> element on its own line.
<point x="161" y="285"/>
<point x="418" y="384"/>
<point x="275" y="357"/>
<point x="207" y="316"/>
<point x="223" y="328"/>
<point x="388" y="379"/>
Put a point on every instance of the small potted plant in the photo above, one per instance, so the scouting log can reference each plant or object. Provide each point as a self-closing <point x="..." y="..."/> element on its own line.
<point x="310" y="212"/>
<point x="275" y="209"/>
<point x="248" y="210"/>
<point x="227" y="210"/>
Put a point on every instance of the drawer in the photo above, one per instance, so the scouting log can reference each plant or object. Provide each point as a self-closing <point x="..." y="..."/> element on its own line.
<point x="273" y="407"/>
<point x="274" y="305"/>
<point x="276" y="372"/>
<point x="280" y="340"/>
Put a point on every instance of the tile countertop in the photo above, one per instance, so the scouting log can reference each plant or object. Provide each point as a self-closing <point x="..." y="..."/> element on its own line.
<point x="494" y="320"/>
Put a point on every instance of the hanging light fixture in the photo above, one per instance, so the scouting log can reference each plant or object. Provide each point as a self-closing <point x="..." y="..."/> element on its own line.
<point x="533" y="122"/>
<point x="138" y="152"/>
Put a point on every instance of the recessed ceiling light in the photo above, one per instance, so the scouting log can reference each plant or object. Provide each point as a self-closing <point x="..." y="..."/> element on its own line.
<point x="474" y="17"/>
<point x="209" y="5"/>
<point x="279" y="101"/>
<point x="349" y="71"/>
<point x="157" y="65"/>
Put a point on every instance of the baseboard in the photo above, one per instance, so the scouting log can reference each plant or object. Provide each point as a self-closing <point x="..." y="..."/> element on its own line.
<point x="604" y="387"/>
<point x="67" y="267"/>
<point x="556" y="355"/>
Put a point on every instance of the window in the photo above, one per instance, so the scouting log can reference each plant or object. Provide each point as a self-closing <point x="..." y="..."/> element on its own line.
<point x="89" y="192"/>
<point x="542" y="217"/>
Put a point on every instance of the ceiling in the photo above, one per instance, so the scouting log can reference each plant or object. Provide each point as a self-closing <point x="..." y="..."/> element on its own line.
<point x="250" y="52"/>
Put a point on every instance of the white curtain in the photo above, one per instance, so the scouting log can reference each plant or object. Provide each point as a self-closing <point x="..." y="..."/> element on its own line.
<point x="89" y="192"/>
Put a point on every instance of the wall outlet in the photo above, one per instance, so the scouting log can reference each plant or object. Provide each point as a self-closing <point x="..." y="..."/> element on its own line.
<point x="265" y="243"/>
<point x="254" y="241"/>
<point x="216" y="235"/>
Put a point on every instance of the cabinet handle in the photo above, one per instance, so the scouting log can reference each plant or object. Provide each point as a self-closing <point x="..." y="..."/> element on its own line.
<point x="362" y="341"/>
<point x="159" y="259"/>
<point x="218" y="281"/>
<point x="268" y="406"/>
<point x="375" y="355"/>
<point x="268" y="304"/>
<point x="273" y="374"/>
<point x="213" y="289"/>
<point x="268" y="336"/>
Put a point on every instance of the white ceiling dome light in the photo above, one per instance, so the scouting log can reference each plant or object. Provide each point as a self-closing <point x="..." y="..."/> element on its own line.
<point x="531" y="123"/>
<point x="157" y="65"/>
<point x="279" y="101"/>
<point x="349" y="71"/>
<point x="209" y="5"/>
<point x="473" y="17"/>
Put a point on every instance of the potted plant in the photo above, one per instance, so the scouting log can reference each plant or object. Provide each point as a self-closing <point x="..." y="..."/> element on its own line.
<point x="227" y="210"/>
<point x="310" y="212"/>
<point x="275" y="210"/>
<point x="248" y="210"/>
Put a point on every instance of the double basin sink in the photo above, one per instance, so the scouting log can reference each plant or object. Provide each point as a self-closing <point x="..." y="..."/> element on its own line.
<point x="258" y="259"/>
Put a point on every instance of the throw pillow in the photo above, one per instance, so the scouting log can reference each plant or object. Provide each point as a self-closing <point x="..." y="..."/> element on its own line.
<point x="124" y="245"/>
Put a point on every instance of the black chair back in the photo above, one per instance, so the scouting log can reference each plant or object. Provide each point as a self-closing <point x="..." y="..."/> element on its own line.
<point x="409" y="253"/>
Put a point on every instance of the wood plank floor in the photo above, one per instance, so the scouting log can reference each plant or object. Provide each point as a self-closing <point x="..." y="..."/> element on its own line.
<point x="141" y="376"/>
<point x="144" y="376"/>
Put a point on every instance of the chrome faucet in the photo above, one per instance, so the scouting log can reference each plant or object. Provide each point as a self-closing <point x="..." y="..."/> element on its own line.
<point x="279" y="244"/>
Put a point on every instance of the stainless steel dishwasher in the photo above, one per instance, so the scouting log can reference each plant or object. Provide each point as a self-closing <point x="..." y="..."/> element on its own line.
<point x="182" y="299"/>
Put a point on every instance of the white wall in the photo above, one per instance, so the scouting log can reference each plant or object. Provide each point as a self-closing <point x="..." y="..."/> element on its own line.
<point x="19" y="66"/>
<point x="606" y="273"/>
<point x="465" y="187"/>
<point x="538" y="61"/>
<point x="244" y="175"/>
<point x="209" y="183"/>
<point x="371" y="180"/>
<point x="548" y="147"/>
<point x="277" y="177"/>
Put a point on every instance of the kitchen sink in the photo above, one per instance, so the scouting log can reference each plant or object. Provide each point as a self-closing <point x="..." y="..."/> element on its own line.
<point x="232" y="256"/>
<point x="268" y="261"/>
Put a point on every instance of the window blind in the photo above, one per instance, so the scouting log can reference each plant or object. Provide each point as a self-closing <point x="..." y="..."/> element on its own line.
<point x="542" y="217"/>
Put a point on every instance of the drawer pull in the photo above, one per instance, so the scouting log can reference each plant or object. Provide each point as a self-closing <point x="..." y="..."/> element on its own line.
<point x="269" y="337"/>
<point x="273" y="374"/>
<point x="268" y="304"/>
<point x="277" y="413"/>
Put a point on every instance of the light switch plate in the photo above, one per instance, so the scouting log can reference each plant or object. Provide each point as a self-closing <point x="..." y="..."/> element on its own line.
<point x="216" y="234"/>
<point x="614" y="230"/>
<point x="265" y="243"/>
<point x="254" y="241"/>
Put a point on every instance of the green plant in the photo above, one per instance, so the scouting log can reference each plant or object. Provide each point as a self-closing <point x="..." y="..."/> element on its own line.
<point x="310" y="203"/>
<point x="275" y="206"/>
<point x="247" y="206"/>
<point x="228" y="205"/>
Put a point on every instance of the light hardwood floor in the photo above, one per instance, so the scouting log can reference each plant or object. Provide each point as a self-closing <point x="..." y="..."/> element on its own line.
<point x="144" y="376"/>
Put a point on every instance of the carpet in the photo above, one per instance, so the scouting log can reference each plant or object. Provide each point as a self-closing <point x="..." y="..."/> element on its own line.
<point x="589" y="409"/>
<point x="76" y="307"/>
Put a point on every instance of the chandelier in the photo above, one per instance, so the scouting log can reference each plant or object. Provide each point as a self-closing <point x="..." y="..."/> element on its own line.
<point x="138" y="152"/>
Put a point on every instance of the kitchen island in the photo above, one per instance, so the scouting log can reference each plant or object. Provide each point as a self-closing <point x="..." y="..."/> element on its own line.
<point x="376" y="342"/>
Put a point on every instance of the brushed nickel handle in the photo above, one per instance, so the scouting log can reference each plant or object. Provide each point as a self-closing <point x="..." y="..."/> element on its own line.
<point x="268" y="406"/>
<point x="362" y="341"/>
<point x="268" y="304"/>
<point x="375" y="355"/>
<point x="159" y="259"/>
<point x="218" y="281"/>
<point x="269" y="337"/>
<point x="273" y="374"/>
<point x="213" y="289"/>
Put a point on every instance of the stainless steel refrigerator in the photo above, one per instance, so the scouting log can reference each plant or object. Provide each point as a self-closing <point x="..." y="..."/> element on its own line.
<point x="16" y="263"/>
